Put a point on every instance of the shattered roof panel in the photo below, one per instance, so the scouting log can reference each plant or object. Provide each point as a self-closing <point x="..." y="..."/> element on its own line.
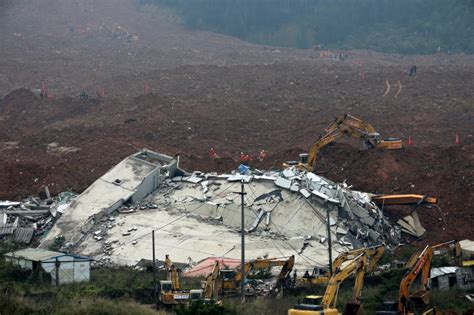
<point x="23" y="235"/>
<point x="436" y="272"/>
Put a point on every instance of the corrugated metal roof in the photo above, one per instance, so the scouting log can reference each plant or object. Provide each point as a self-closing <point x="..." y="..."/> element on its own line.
<point x="34" y="254"/>
<point x="7" y="229"/>
<point x="436" y="272"/>
<point x="23" y="235"/>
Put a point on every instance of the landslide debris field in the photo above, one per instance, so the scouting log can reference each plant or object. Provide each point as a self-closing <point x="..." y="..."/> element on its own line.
<point x="208" y="90"/>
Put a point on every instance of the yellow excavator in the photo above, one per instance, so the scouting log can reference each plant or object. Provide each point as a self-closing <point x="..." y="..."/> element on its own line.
<point x="350" y="126"/>
<point x="230" y="279"/>
<point x="211" y="287"/>
<point x="326" y="305"/>
<point x="373" y="253"/>
<point x="419" y="266"/>
<point x="170" y="293"/>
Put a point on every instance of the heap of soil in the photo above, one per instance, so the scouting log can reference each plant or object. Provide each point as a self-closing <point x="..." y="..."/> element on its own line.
<point x="208" y="90"/>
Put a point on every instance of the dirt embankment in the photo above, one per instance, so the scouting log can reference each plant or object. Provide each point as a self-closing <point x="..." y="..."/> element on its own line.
<point x="211" y="90"/>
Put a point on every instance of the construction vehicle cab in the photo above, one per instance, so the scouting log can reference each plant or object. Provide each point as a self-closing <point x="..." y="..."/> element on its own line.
<point x="309" y="303"/>
<point x="196" y="295"/>
<point x="170" y="297"/>
<point x="227" y="277"/>
<point x="166" y="286"/>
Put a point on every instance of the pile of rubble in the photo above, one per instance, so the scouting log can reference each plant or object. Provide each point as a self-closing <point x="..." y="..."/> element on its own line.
<point x="355" y="219"/>
<point x="32" y="217"/>
<point x="198" y="215"/>
<point x="289" y="207"/>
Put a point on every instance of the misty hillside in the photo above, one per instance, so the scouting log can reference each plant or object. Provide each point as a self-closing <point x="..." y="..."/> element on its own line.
<point x="402" y="26"/>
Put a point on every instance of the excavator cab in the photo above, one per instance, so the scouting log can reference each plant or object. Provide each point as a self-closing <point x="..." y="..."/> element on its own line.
<point x="228" y="280"/>
<point x="303" y="158"/>
<point x="388" y="308"/>
<point x="166" y="286"/>
<point x="196" y="295"/>
<point x="312" y="303"/>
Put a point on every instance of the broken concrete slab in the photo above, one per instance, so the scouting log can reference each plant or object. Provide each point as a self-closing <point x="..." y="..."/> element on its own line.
<point x="283" y="182"/>
<point x="295" y="187"/>
<point x="305" y="193"/>
<point x="368" y="220"/>
<point x="289" y="173"/>
<point x="411" y="225"/>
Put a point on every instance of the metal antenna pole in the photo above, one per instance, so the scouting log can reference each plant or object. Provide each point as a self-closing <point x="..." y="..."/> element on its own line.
<point x="329" y="240"/>
<point x="242" y="231"/>
<point x="154" y="268"/>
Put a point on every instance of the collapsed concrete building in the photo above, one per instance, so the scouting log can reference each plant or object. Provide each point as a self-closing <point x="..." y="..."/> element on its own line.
<point x="197" y="215"/>
<point x="129" y="181"/>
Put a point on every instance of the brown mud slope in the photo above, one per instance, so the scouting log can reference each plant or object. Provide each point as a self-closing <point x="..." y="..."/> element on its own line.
<point x="211" y="90"/>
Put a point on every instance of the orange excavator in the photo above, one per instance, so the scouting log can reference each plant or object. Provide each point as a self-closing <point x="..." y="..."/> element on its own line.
<point x="419" y="266"/>
<point x="345" y="125"/>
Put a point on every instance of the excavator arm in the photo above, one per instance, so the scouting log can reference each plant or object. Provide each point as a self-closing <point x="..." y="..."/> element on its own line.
<point x="285" y="272"/>
<point x="353" y="127"/>
<point x="345" y="271"/>
<point x="211" y="287"/>
<point x="373" y="255"/>
<point x="422" y="265"/>
<point x="172" y="273"/>
<point x="327" y="306"/>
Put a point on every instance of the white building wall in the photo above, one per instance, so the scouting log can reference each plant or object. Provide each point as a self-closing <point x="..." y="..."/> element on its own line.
<point x="148" y="185"/>
<point x="82" y="271"/>
<point x="70" y="270"/>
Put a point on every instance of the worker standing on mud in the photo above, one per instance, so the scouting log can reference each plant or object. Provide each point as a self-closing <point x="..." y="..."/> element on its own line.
<point x="212" y="153"/>
<point x="412" y="71"/>
<point x="262" y="155"/>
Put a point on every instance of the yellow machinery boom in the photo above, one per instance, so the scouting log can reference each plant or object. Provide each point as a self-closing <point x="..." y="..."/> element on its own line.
<point x="211" y="288"/>
<point x="172" y="273"/>
<point x="373" y="256"/>
<point x="317" y="305"/>
<point x="345" y="125"/>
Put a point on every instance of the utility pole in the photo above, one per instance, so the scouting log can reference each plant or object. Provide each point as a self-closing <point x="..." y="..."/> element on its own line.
<point x="154" y="268"/>
<point x="57" y="263"/>
<point x="328" y="224"/>
<point x="242" y="194"/>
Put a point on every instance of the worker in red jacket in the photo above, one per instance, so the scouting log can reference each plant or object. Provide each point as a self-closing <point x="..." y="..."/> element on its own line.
<point x="262" y="155"/>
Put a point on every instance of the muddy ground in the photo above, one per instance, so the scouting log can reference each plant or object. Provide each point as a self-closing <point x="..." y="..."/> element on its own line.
<point x="210" y="90"/>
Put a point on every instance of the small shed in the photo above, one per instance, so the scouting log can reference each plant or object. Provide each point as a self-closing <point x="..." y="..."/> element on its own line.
<point x="445" y="278"/>
<point x="64" y="268"/>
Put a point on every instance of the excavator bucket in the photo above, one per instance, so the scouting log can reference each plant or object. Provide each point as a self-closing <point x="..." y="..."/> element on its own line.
<point x="353" y="309"/>
<point x="420" y="297"/>
<point x="390" y="144"/>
